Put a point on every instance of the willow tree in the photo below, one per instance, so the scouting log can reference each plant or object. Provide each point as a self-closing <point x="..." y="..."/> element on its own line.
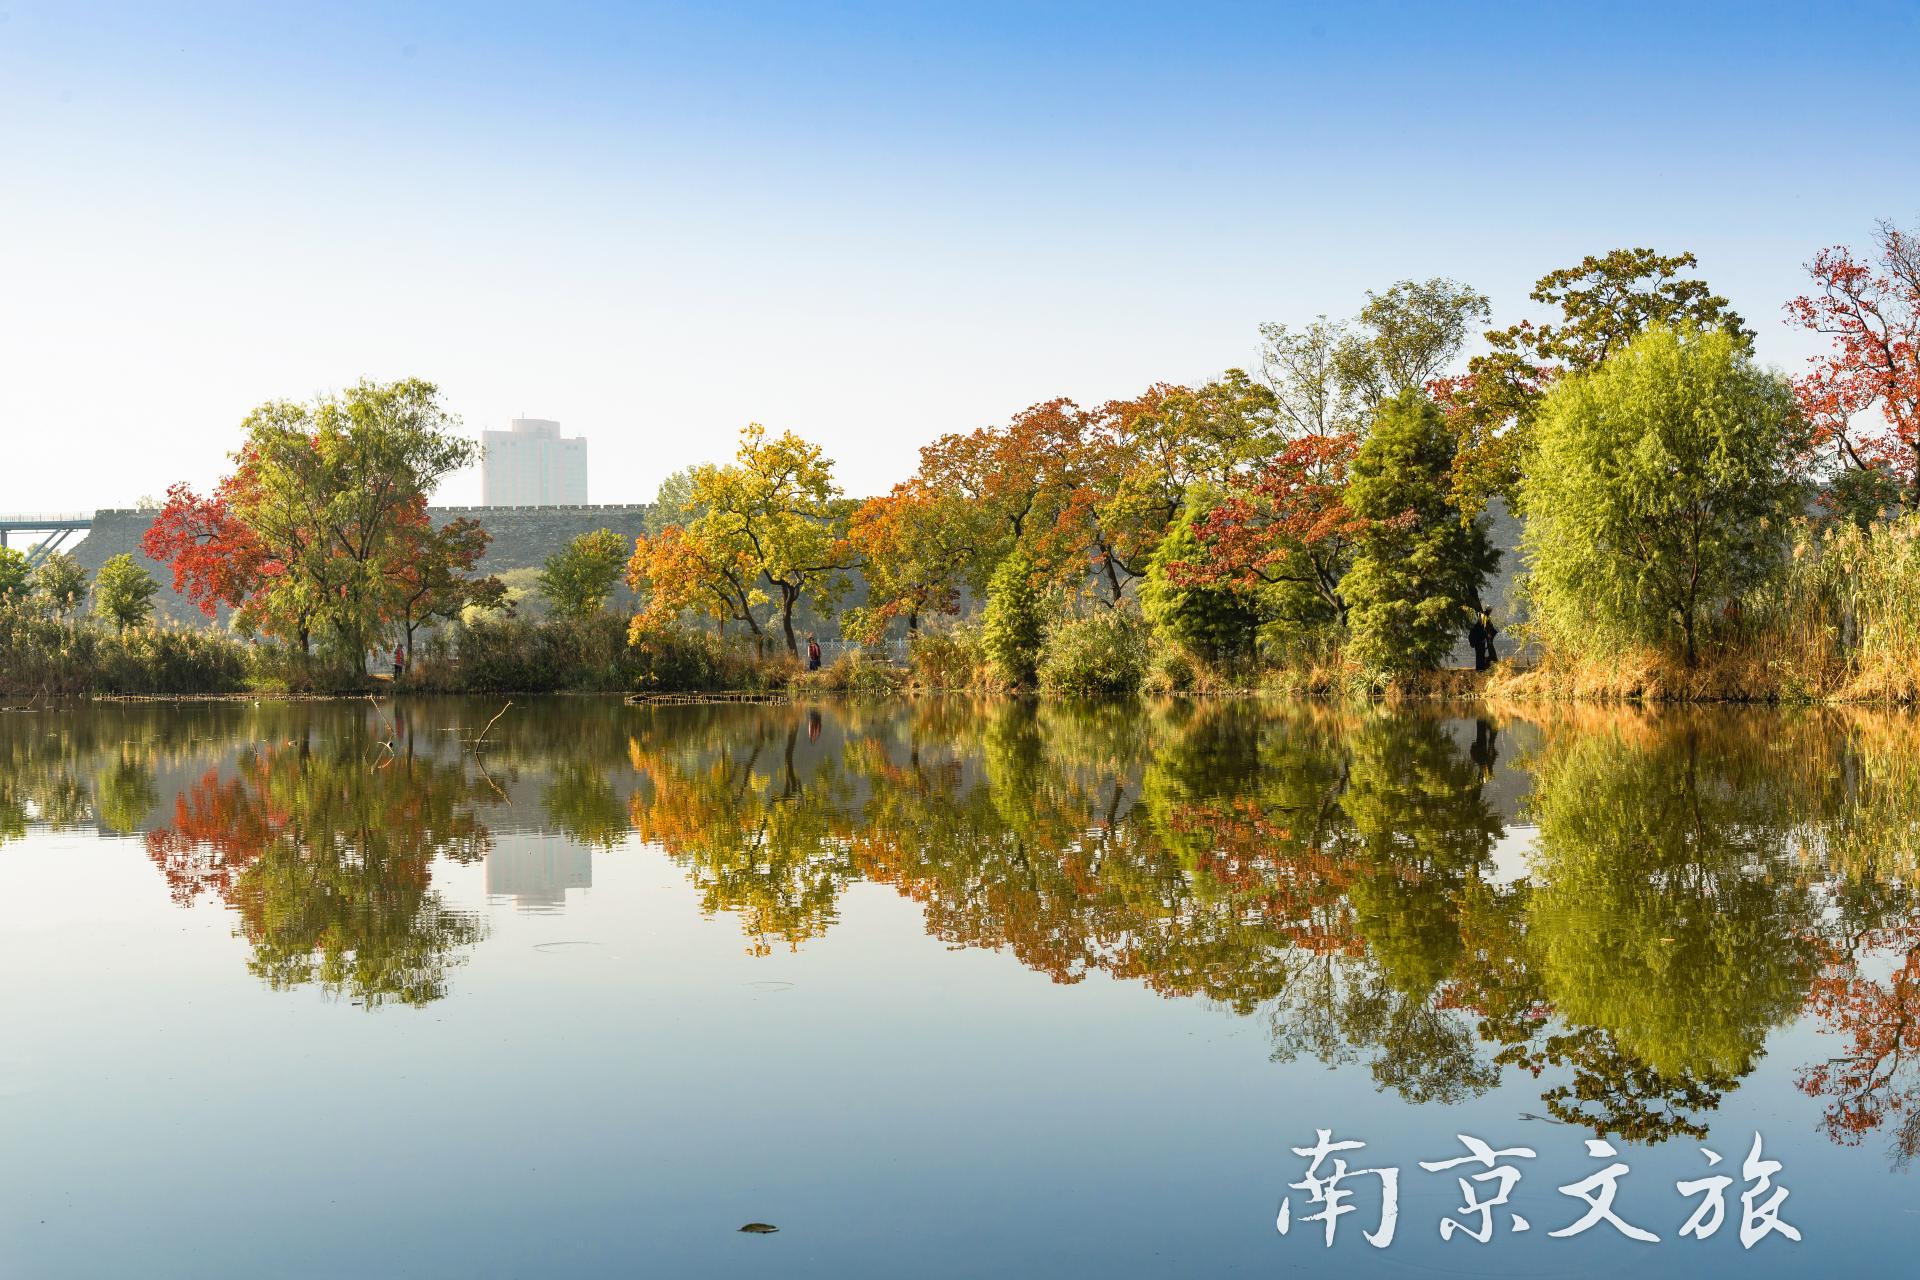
<point x="1658" y="492"/>
<point x="61" y="584"/>
<point x="123" y="592"/>
<point x="15" y="572"/>
<point x="1601" y="304"/>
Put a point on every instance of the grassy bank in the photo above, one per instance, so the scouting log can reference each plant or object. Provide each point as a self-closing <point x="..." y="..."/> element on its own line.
<point x="1843" y="630"/>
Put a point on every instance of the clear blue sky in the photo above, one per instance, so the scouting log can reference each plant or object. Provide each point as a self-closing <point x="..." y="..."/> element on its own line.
<point x="868" y="223"/>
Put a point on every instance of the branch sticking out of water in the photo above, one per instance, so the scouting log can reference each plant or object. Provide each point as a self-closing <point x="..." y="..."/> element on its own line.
<point x="393" y="730"/>
<point x="496" y="715"/>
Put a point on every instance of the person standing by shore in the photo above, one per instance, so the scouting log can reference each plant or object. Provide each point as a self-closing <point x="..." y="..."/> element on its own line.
<point x="1480" y="634"/>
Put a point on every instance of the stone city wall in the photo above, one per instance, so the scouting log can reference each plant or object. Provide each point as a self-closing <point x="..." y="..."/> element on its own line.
<point x="522" y="538"/>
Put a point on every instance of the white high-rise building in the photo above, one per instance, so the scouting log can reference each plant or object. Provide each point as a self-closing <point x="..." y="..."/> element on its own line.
<point x="536" y="871"/>
<point x="529" y="465"/>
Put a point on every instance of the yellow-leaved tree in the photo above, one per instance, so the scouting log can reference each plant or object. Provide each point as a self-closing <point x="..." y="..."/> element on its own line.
<point x="761" y="534"/>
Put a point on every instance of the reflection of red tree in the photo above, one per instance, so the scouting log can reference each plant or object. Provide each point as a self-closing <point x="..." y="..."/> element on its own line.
<point x="1878" y="1022"/>
<point x="1298" y="886"/>
<point x="218" y="830"/>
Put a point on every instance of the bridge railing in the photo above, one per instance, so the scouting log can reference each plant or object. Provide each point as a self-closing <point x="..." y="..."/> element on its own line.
<point x="45" y="519"/>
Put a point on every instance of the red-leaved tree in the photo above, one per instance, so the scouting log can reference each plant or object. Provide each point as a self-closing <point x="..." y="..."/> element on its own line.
<point x="1863" y="396"/>
<point x="1286" y="525"/>
<point x="217" y="560"/>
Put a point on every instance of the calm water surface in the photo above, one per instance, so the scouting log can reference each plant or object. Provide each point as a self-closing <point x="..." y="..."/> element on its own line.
<point x="945" y="989"/>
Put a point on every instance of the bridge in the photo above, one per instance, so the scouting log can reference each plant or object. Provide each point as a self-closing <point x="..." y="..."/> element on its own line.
<point x="55" y="530"/>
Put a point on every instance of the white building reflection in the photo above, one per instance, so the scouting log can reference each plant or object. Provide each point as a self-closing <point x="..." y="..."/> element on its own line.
<point x="537" y="870"/>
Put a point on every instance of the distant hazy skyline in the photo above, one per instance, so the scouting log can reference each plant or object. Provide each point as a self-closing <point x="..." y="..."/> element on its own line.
<point x="868" y="223"/>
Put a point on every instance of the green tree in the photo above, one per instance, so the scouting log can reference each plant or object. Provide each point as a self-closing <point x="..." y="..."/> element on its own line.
<point x="14" y="573"/>
<point x="1609" y="300"/>
<point x="577" y="580"/>
<point x="123" y="592"/>
<point x="1420" y="565"/>
<point x="61" y="583"/>
<point x="673" y="503"/>
<point x="581" y="802"/>
<point x="1604" y="302"/>
<point x="1212" y="620"/>
<point x="1302" y="367"/>
<point x="322" y="511"/>
<point x="1406" y="337"/>
<point x="1659" y="491"/>
<point x="1015" y="619"/>
<point x="1666" y="926"/>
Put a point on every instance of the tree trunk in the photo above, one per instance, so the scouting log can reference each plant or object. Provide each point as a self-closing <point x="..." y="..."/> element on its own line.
<point x="787" y="601"/>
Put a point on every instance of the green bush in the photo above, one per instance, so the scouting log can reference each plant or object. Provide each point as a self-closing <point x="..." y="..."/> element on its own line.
<point x="678" y="659"/>
<point x="592" y="655"/>
<point x="173" y="660"/>
<point x="1846" y="618"/>
<point x="1101" y="655"/>
<point x="1170" y="669"/>
<point x="281" y="668"/>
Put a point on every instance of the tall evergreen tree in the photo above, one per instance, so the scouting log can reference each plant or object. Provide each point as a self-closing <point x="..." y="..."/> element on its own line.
<point x="1015" y="618"/>
<point x="1417" y="575"/>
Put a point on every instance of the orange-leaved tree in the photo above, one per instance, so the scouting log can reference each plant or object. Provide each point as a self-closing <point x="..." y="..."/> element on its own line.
<point x="915" y="546"/>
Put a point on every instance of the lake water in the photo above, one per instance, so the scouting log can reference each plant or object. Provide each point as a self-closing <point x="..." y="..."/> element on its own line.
<point x="947" y="988"/>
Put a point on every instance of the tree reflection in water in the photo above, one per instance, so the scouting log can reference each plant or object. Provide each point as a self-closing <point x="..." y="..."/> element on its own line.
<point x="1624" y="905"/>
<point x="323" y="846"/>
